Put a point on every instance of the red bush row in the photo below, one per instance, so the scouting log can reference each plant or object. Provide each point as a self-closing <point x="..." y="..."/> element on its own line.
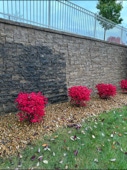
<point x="32" y="105"/>
<point x="79" y="95"/>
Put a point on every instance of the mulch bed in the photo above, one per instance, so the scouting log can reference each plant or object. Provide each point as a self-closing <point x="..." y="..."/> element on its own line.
<point x="15" y="135"/>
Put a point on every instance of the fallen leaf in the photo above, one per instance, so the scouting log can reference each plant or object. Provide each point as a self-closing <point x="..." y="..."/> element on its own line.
<point x="45" y="162"/>
<point x="57" y="125"/>
<point x="75" y="137"/>
<point x="66" y="167"/>
<point x="17" y="147"/>
<point x="68" y="148"/>
<point x="78" y="127"/>
<point x="47" y="148"/>
<point x="86" y="128"/>
<point x="99" y="149"/>
<point x="113" y="160"/>
<point x="33" y="158"/>
<point x="113" y="147"/>
<point x="121" y="149"/>
<point x="76" y="152"/>
<point x="103" y="134"/>
<point x="72" y="138"/>
<point x="40" y="158"/>
<point x="45" y="144"/>
<point x="55" y="136"/>
<point x="96" y="160"/>
<point x="52" y="139"/>
<point x="38" y="164"/>
<point x="20" y="156"/>
<point x="64" y="154"/>
<point x="120" y="134"/>
<point x="61" y="162"/>
<point x="83" y="132"/>
<point x="39" y="150"/>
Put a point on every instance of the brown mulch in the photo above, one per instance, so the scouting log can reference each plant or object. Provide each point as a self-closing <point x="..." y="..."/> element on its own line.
<point x="15" y="135"/>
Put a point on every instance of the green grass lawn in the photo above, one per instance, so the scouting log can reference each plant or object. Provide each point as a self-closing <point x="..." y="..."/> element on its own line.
<point x="99" y="143"/>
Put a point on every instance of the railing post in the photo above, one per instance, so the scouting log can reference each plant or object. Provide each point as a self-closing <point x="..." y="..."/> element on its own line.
<point x="49" y="8"/>
<point x="95" y="25"/>
<point x="121" y="35"/>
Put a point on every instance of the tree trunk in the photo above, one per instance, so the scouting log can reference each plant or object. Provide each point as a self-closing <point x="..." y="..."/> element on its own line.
<point x="104" y="33"/>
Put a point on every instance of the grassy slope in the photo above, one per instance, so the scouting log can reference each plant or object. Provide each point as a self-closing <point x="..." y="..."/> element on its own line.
<point x="100" y="143"/>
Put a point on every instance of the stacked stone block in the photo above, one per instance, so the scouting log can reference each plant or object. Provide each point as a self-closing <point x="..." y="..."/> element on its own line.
<point x="40" y="59"/>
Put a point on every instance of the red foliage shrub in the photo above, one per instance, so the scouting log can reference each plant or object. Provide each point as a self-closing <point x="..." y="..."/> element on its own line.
<point x="105" y="91"/>
<point x="31" y="105"/>
<point x="123" y="85"/>
<point x="79" y="95"/>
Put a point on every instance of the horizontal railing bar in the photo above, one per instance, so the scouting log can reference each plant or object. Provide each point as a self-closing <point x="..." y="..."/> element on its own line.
<point x="51" y="14"/>
<point x="34" y="22"/>
<point x="89" y="13"/>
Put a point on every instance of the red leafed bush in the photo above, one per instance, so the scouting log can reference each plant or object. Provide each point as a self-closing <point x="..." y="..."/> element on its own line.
<point x="31" y="105"/>
<point x="105" y="91"/>
<point x="79" y="95"/>
<point x="123" y="85"/>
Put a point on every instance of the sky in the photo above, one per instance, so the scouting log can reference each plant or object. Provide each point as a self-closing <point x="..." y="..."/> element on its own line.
<point x="91" y="6"/>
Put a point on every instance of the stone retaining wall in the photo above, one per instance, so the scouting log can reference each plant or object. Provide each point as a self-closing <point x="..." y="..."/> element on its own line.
<point x="38" y="59"/>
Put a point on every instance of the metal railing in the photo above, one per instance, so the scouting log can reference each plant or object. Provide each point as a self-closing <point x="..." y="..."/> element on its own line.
<point x="62" y="15"/>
